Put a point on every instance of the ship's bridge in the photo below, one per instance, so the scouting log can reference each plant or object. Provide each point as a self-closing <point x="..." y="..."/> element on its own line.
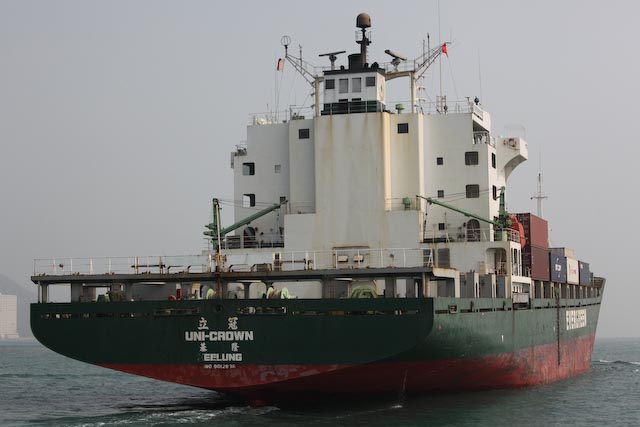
<point x="359" y="88"/>
<point x="354" y="91"/>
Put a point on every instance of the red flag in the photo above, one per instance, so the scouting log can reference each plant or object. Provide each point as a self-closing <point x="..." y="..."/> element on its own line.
<point x="280" y="65"/>
<point x="444" y="49"/>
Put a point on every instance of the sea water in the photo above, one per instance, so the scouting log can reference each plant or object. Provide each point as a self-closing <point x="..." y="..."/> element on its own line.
<point x="41" y="388"/>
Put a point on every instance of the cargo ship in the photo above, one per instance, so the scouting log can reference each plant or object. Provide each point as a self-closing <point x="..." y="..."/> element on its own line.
<point x="372" y="253"/>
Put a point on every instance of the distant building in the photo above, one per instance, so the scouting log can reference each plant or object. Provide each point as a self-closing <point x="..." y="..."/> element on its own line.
<point x="8" y="316"/>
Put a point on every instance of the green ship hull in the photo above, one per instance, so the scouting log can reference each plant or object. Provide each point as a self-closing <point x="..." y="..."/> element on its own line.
<point x="276" y="350"/>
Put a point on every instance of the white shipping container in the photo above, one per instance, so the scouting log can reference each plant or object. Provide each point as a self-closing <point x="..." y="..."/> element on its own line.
<point x="562" y="251"/>
<point x="573" y="274"/>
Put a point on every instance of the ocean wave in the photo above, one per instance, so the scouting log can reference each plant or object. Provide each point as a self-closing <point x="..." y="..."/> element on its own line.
<point x="618" y="362"/>
<point x="161" y="417"/>
<point x="61" y="375"/>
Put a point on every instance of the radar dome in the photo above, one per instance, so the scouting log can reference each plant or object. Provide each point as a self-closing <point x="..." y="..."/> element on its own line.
<point x="363" y="20"/>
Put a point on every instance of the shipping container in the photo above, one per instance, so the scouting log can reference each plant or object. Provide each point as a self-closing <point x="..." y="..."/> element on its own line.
<point x="566" y="252"/>
<point x="536" y="230"/>
<point x="536" y="262"/>
<point x="573" y="277"/>
<point x="584" y="272"/>
<point x="558" y="268"/>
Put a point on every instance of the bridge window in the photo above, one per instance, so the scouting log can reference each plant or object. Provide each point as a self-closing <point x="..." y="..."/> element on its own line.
<point x="344" y="85"/>
<point x="471" y="158"/>
<point x="330" y="84"/>
<point x="248" y="200"/>
<point x="303" y="133"/>
<point x="248" y="168"/>
<point x="403" y="127"/>
<point x="356" y="83"/>
<point x="371" y="81"/>
<point x="473" y="191"/>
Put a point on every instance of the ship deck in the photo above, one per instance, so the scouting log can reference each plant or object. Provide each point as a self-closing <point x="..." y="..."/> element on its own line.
<point x="233" y="276"/>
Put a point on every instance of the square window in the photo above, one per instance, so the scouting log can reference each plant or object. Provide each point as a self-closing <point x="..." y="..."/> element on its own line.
<point x="471" y="158"/>
<point x="248" y="200"/>
<point x="356" y="84"/>
<point x="493" y="160"/>
<point x="441" y="226"/>
<point x="370" y="81"/>
<point x="330" y="84"/>
<point x="303" y="133"/>
<point x="473" y="191"/>
<point x="403" y="127"/>
<point x="248" y="168"/>
<point x="439" y="161"/>
<point x="344" y="85"/>
<point x="440" y="194"/>
<point x="277" y="168"/>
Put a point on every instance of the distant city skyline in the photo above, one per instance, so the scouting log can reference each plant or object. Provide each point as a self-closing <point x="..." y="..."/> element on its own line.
<point x="8" y="316"/>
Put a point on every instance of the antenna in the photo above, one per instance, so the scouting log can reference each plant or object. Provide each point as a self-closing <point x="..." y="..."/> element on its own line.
<point x="480" y="74"/>
<point x="332" y="57"/>
<point x="440" y="42"/>
<point x="305" y="70"/>
<point x="539" y="196"/>
<point x="363" y="21"/>
<point x="397" y="58"/>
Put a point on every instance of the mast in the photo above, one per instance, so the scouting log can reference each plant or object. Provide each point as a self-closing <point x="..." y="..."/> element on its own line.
<point x="539" y="196"/>
<point x="305" y="70"/>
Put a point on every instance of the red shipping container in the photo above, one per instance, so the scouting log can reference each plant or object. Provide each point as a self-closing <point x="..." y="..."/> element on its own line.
<point x="536" y="230"/>
<point x="536" y="262"/>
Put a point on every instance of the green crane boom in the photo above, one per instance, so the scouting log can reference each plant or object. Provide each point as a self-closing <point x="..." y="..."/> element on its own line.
<point x="503" y="217"/>
<point x="215" y="230"/>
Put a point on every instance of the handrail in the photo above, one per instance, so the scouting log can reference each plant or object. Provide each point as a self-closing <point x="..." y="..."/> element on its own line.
<point x="306" y="112"/>
<point x="204" y="263"/>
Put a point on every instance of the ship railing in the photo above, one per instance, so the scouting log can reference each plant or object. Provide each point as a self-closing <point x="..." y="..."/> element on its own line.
<point x="460" y="234"/>
<point x="122" y="265"/>
<point x="353" y="258"/>
<point x="281" y="116"/>
<point x="483" y="137"/>
<point x="402" y="203"/>
<point x="269" y="258"/>
<point x="241" y="242"/>
<point x="453" y="107"/>
<point x="425" y="107"/>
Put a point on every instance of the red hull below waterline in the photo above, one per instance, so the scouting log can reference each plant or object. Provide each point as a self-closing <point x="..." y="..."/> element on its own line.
<point x="526" y="367"/>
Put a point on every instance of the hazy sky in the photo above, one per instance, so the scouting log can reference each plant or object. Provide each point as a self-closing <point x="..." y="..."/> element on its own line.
<point x="117" y="117"/>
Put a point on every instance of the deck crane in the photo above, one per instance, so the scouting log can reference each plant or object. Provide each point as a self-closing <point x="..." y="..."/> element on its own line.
<point x="216" y="232"/>
<point x="503" y="221"/>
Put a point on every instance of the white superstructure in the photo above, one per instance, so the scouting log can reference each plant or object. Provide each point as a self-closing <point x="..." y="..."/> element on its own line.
<point x="8" y="316"/>
<point x="353" y="172"/>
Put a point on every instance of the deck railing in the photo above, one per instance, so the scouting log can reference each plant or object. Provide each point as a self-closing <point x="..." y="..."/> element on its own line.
<point x="344" y="258"/>
<point x="471" y="235"/>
